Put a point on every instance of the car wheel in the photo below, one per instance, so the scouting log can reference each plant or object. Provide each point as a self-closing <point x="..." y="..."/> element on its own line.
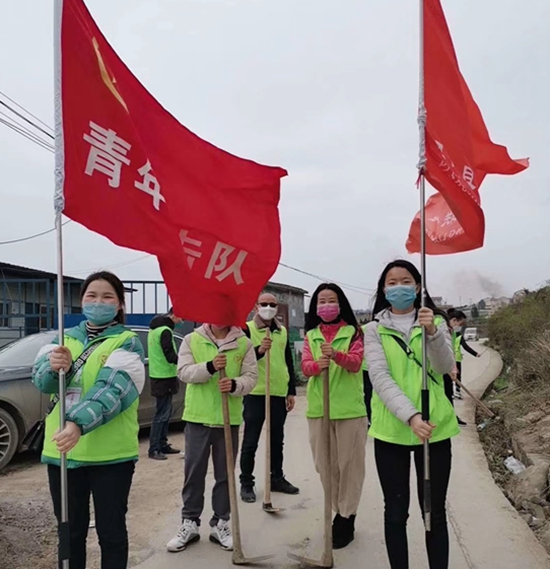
<point x="9" y="437"/>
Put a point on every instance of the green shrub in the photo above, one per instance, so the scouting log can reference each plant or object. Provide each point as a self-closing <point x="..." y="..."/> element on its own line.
<point x="512" y="329"/>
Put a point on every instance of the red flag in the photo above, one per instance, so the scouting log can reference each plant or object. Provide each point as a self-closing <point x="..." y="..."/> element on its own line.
<point x="459" y="150"/>
<point x="135" y="175"/>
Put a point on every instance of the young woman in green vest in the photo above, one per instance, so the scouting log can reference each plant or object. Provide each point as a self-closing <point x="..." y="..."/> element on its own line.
<point x="393" y="349"/>
<point x="458" y="322"/>
<point x="100" y="437"/>
<point x="334" y="341"/>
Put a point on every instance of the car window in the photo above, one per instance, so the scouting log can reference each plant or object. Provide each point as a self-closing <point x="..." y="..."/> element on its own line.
<point x="22" y="353"/>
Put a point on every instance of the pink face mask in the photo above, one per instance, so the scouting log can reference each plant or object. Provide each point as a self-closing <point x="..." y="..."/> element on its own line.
<point x="328" y="312"/>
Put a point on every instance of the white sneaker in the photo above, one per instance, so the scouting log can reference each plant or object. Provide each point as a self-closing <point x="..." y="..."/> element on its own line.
<point x="188" y="533"/>
<point x="221" y="534"/>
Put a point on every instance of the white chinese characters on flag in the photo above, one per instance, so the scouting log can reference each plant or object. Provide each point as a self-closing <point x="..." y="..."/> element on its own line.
<point x="137" y="176"/>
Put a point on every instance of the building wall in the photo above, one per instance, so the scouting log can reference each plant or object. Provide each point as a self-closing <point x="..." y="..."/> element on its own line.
<point x="295" y="303"/>
<point x="29" y="306"/>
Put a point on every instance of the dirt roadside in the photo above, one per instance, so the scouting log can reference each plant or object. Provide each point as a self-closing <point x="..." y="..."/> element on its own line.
<point x="27" y="525"/>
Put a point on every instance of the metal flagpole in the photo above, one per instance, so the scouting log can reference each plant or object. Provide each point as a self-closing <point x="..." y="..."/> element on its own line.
<point x="59" y="203"/>
<point x="64" y="531"/>
<point x="427" y="506"/>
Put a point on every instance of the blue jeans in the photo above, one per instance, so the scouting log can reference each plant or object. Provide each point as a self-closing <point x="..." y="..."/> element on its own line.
<point x="158" y="438"/>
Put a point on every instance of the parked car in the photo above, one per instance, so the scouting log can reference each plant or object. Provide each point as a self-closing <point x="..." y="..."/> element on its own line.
<point x="470" y="334"/>
<point x="22" y="405"/>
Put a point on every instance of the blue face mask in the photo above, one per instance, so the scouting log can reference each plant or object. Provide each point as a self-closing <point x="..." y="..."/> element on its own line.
<point x="401" y="297"/>
<point x="99" y="313"/>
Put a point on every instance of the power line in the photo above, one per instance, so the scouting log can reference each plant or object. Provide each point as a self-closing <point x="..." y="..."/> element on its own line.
<point x="24" y="109"/>
<point x="355" y="288"/>
<point x="26" y="133"/>
<point x="18" y="114"/>
<point x="22" y="129"/>
<point x="20" y="240"/>
<point x="115" y="266"/>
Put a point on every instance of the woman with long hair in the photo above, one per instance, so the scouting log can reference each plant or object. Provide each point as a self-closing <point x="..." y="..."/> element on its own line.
<point x="334" y="342"/>
<point x="393" y="349"/>
<point x="103" y="361"/>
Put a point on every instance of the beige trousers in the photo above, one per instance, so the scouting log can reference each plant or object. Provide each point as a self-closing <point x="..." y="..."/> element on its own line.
<point x="348" y="438"/>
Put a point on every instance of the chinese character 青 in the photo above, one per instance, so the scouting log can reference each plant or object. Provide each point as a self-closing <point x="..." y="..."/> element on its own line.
<point x="108" y="153"/>
<point x="220" y="260"/>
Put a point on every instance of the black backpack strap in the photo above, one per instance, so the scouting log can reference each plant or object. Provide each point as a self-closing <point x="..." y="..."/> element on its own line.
<point x="410" y="354"/>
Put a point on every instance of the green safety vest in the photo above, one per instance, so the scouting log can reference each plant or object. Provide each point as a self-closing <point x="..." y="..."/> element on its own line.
<point x="279" y="377"/>
<point x="159" y="367"/>
<point x="408" y="376"/>
<point x="347" y="399"/>
<point x="203" y="401"/>
<point x="114" y="441"/>
<point x="457" y="346"/>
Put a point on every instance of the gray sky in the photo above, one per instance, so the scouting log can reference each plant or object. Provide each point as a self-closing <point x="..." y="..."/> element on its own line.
<point x="327" y="90"/>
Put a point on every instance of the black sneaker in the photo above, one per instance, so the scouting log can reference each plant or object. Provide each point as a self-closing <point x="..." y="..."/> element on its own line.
<point x="283" y="486"/>
<point x="157" y="455"/>
<point x="247" y="494"/>
<point x="168" y="449"/>
<point x="461" y="422"/>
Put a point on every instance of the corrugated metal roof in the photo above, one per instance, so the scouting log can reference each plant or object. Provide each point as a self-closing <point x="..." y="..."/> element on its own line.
<point x="17" y="271"/>
<point x="290" y="288"/>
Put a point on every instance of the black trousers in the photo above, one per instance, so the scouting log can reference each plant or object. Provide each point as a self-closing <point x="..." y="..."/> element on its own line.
<point x="158" y="439"/>
<point x="254" y="417"/>
<point x="393" y="463"/>
<point x="367" y="387"/>
<point x="110" y="487"/>
<point x="448" y="386"/>
<point x="459" y="376"/>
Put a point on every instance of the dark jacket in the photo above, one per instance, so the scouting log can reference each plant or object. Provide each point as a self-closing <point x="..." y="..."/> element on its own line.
<point x="171" y="385"/>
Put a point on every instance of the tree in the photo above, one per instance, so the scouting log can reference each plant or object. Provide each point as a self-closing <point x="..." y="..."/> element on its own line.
<point x="475" y="312"/>
<point x="482" y="305"/>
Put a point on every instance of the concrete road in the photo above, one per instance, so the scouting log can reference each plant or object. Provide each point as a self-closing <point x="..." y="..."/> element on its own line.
<point x="486" y="532"/>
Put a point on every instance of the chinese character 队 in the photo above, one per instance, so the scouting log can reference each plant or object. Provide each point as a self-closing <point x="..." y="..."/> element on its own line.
<point x="219" y="263"/>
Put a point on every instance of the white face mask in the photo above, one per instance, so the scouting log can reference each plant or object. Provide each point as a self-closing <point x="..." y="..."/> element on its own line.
<point x="267" y="313"/>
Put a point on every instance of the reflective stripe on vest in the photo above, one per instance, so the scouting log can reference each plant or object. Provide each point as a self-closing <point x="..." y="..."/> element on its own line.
<point x="347" y="400"/>
<point x="117" y="439"/>
<point x="159" y="366"/>
<point x="203" y="401"/>
<point x="279" y="370"/>
<point x="408" y="376"/>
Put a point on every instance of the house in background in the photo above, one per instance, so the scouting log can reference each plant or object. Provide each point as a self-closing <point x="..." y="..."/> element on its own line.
<point x="28" y="301"/>
<point x="291" y="307"/>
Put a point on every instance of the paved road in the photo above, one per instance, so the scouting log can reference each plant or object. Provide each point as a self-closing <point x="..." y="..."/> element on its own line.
<point x="486" y="532"/>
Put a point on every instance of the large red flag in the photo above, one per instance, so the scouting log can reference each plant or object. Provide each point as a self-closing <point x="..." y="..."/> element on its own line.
<point x="135" y="175"/>
<point x="459" y="150"/>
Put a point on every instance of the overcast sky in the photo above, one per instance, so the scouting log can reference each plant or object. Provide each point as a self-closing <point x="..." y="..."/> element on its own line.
<point x="326" y="89"/>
